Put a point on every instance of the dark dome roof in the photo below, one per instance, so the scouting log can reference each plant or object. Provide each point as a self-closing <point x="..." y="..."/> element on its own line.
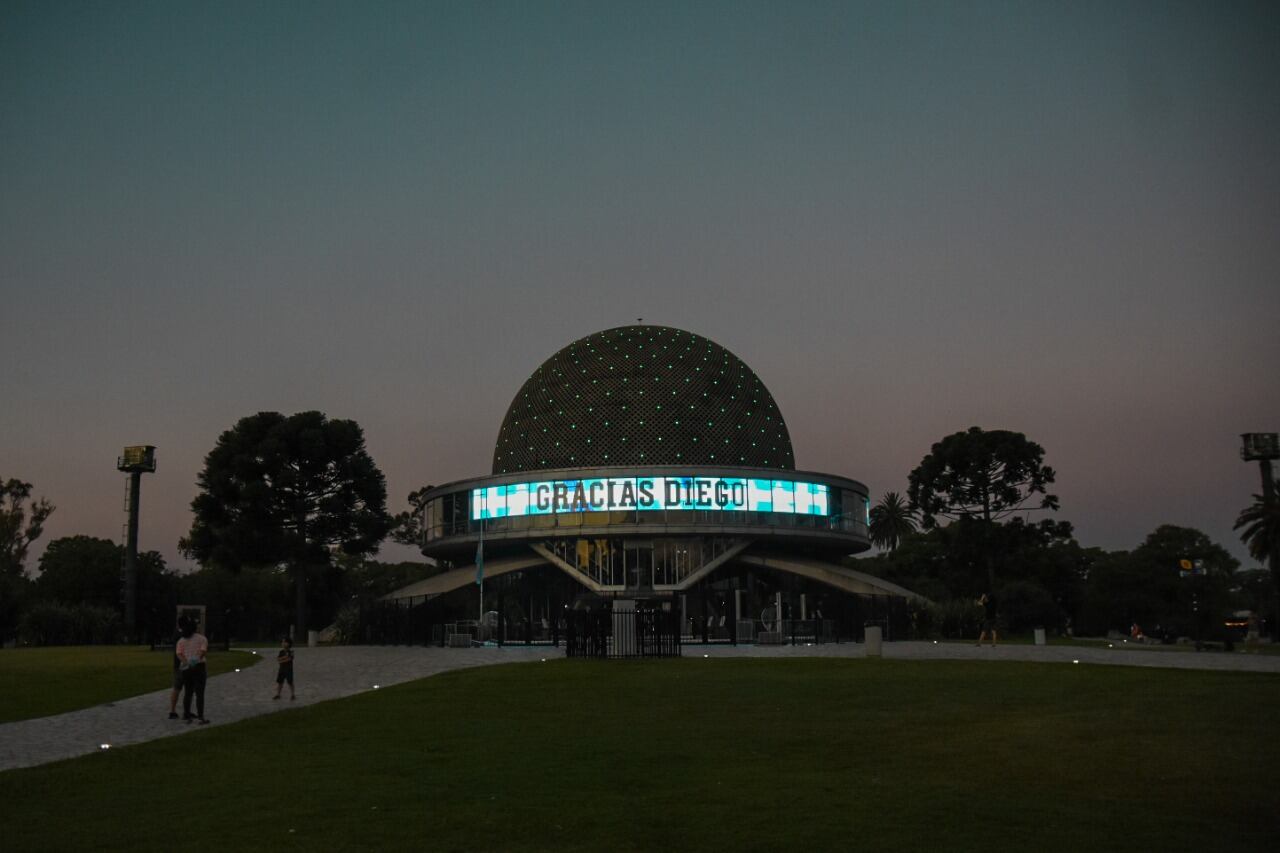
<point x="642" y="395"/>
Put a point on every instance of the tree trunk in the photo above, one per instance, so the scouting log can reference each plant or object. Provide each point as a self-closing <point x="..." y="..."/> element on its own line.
<point x="300" y="587"/>
<point x="1273" y="549"/>
<point x="986" y="542"/>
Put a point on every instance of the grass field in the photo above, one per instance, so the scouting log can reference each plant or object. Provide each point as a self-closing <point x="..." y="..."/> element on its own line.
<point x="700" y="755"/>
<point x="44" y="681"/>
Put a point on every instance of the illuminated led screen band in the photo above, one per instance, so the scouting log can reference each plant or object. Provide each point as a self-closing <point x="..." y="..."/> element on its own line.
<point x="549" y="497"/>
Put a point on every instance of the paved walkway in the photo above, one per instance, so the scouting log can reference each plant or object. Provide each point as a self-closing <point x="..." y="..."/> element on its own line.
<point x="338" y="671"/>
<point x="323" y="673"/>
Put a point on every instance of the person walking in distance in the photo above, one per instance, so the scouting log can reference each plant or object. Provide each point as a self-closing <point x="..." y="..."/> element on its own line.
<point x="193" y="647"/>
<point x="988" y="603"/>
<point x="285" y="672"/>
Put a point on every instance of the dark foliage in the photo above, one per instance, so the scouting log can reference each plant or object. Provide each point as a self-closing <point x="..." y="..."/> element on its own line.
<point x="288" y="491"/>
<point x="1050" y="581"/>
<point x="892" y="520"/>
<point x="86" y="570"/>
<point x="980" y="477"/>
<point x="406" y="527"/>
<point x="980" y="474"/>
<point x="56" y="623"/>
<point x="21" y="523"/>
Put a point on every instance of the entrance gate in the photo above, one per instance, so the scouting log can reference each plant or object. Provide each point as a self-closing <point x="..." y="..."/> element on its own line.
<point x="643" y="632"/>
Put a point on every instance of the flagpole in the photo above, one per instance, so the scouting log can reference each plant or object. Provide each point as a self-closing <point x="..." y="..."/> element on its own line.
<point x="480" y="566"/>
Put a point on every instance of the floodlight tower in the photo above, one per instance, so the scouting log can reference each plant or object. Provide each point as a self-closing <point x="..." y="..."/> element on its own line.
<point x="135" y="461"/>
<point x="1265" y="448"/>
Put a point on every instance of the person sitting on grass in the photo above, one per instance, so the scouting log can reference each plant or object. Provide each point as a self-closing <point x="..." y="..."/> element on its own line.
<point x="285" y="673"/>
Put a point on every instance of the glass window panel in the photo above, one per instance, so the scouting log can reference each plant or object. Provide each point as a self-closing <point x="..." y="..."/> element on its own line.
<point x="819" y="501"/>
<point x="804" y="499"/>
<point x="518" y="499"/>
<point x="734" y="493"/>
<point x="784" y="496"/>
<point x="760" y="495"/>
<point x="540" y="498"/>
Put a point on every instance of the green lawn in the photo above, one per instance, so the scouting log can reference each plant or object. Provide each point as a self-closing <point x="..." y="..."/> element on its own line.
<point x="701" y="755"/>
<point x="44" y="681"/>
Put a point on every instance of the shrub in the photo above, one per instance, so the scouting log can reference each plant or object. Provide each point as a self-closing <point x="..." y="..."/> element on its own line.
<point x="53" y="623"/>
<point x="955" y="618"/>
<point x="346" y="626"/>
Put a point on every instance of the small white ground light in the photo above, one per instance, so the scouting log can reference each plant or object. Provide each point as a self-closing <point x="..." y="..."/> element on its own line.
<point x="376" y="686"/>
<point x="104" y="746"/>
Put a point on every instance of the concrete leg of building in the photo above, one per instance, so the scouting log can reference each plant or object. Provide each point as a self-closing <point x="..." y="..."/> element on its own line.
<point x="873" y="641"/>
<point x="624" y="627"/>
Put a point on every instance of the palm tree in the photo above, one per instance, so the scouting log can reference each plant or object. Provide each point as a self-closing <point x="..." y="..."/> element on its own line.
<point x="892" y="520"/>
<point x="1261" y="525"/>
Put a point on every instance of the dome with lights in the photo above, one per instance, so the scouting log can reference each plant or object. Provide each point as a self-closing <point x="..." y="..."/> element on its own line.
<point x="642" y="395"/>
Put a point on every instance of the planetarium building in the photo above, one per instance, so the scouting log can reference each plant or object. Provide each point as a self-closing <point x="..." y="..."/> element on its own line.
<point x="645" y="469"/>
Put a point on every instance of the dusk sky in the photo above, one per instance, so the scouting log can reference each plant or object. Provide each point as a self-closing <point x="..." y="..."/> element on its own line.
<point x="908" y="218"/>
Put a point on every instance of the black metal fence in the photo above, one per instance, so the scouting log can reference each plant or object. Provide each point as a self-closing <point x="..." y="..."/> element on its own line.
<point x="646" y="632"/>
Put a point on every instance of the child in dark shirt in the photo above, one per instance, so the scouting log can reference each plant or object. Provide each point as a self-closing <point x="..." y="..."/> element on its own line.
<point x="285" y="673"/>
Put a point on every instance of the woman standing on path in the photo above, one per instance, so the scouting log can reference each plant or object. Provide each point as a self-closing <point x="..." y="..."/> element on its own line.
<point x="193" y="647"/>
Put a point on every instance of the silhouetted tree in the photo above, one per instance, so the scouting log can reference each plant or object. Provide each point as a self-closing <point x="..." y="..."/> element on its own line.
<point x="17" y="529"/>
<point x="1147" y="586"/>
<point x="279" y="490"/>
<point x="1261" y="533"/>
<point x="984" y="476"/>
<point x="406" y="527"/>
<point x="87" y="570"/>
<point x="891" y="521"/>
<point x="20" y="525"/>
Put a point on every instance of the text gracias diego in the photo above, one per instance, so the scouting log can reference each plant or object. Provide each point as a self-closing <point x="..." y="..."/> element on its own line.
<point x="650" y="493"/>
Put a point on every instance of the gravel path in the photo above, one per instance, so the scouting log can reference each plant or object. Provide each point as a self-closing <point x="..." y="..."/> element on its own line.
<point x="337" y="671"/>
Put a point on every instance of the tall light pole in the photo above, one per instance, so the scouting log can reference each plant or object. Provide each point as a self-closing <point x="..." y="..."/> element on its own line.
<point x="134" y="461"/>
<point x="1265" y="447"/>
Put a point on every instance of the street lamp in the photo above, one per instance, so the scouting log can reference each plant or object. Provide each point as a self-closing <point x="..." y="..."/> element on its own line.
<point x="135" y="461"/>
<point x="1195" y="569"/>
